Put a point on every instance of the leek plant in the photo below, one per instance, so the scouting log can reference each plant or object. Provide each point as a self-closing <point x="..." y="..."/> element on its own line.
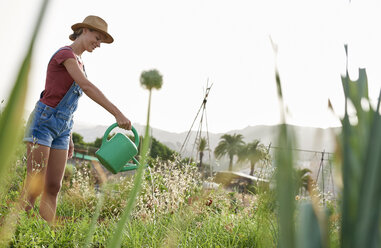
<point x="360" y="150"/>
<point x="358" y="155"/>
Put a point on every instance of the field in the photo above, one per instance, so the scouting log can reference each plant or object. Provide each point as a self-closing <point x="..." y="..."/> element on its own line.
<point x="172" y="210"/>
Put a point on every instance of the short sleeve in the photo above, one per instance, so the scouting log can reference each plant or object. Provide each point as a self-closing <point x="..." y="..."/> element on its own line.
<point x="63" y="55"/>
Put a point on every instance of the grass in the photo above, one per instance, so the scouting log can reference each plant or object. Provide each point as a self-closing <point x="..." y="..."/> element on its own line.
<point x="207" y="219"/>
<point x="183" y="214"/>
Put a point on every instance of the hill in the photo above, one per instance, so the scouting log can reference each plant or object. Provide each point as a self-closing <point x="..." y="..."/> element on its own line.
<point x="308" y="138"/>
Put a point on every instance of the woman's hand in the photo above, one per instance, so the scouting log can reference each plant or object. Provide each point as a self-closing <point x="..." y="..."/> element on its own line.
<point x="71" y="148"/>
<point x="123" y="122"/>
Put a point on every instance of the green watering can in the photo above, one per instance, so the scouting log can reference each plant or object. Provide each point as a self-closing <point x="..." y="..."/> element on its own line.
<point x="115" y="153"/>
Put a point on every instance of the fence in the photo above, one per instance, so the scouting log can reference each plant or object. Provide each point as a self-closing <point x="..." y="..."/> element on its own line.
<point x="321" y="167"/>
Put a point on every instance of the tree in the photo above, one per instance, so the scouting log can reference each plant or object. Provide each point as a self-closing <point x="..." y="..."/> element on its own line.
<point x="202" y="146"/>
<point x="303" y="179"/>
<point x="229" y="145"/>
<point x="253" y="152"/>
<point x="98" y="142"/>
<point x="78" y="139"/>
<point x="160" y="150"/>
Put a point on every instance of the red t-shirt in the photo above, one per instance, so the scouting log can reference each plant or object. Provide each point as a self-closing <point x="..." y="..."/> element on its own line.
<point x="58" y="80"/>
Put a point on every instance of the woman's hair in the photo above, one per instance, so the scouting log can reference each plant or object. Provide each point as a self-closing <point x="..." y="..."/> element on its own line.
<point x="76" y="34"/>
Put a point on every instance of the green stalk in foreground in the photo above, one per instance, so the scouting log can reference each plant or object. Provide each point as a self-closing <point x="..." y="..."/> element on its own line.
<point x="90" y="233"/>
<point x="150" y="79"/>
<point x="11" y="126"/>
<point x="11" y="117"/>
<point x="284" y="179"/>
<point x="361" y="145"/>
<point x="312" y="226"/>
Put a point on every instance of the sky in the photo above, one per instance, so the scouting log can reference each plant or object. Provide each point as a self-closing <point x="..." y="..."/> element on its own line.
<point x="199" y="43"/>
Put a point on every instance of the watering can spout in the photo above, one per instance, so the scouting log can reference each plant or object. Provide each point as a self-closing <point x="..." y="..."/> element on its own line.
<point x="130" y="166"/>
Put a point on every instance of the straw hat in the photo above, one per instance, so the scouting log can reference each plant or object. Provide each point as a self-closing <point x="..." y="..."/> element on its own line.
<point x="95" y="23"/>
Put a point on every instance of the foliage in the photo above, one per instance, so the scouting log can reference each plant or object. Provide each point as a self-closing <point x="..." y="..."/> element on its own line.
<point x="166" y="186"/>
<point x="11" y="117"/>
<point x="302" y="179"/>
<point x="359" y="152"/>
<point x="202" y="144"/>
<point x="98" y="142"/>
<point x="253" y="152"/>
<point x="209" y="219"/>
<point x="229" y="145"/>
<point x="202" y="147"/>
<point x="358" y="156"/>
<point x="11" y="121"/>
<point x="78" y="139"/>
<point x="159" y="150"/>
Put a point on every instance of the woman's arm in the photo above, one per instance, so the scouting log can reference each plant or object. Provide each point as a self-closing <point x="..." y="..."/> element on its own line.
<point x="94" y="93"/>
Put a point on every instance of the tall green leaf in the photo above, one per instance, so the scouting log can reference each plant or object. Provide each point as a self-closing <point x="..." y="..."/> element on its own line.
<point x="361" y="168"/>
<point x="11" y="124"/>
<point x="285" y="187"/>
<point x="309" y="231"/>
<point x="116" y="240"/>
<point x="11" y="117"/>
<point x="284" y="179"/>
<point x="94" y="219"/>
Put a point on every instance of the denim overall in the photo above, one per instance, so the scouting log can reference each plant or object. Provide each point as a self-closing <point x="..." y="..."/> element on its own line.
<point x="52" y="126"/>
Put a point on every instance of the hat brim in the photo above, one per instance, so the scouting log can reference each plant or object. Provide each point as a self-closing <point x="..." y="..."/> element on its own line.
<point x="108" y="38"/>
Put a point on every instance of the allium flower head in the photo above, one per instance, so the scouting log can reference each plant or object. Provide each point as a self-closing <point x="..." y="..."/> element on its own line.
<point x="151" y="79"/>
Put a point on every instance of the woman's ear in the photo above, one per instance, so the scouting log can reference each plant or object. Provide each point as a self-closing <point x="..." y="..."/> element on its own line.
<point x="85" y="30"/>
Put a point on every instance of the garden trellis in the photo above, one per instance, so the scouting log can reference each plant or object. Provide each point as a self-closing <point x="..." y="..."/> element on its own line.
<point x="322" y="171"/>
<point x="199" y="129"/>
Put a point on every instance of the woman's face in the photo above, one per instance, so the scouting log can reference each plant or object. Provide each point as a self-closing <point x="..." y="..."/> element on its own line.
<point x="93" y="39"/>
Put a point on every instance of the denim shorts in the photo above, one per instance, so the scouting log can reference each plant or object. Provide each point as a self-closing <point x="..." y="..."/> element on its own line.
<point x="49" y="127"/>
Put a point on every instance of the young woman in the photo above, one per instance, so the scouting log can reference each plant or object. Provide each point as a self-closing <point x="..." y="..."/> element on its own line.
<point x="48" y="133"/>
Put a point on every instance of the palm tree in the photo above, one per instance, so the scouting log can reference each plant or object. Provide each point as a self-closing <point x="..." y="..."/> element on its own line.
<point x="253" y="152"/>
<point x="201" y="148"/>
<point x="303" y="179"/>
<point x="229" y="145"/>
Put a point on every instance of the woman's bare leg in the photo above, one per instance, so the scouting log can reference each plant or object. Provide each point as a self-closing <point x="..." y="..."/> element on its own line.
<point x="53" y="182"/>
<point x="37" y="159"/>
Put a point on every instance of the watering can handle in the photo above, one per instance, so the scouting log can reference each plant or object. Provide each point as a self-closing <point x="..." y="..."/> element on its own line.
<point x="114" y="126"/>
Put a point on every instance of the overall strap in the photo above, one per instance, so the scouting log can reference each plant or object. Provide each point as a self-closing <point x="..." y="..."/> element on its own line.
<point x="67" y="48"/>
<point x="62" y="48"/>
<point x="84" y="70"/>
